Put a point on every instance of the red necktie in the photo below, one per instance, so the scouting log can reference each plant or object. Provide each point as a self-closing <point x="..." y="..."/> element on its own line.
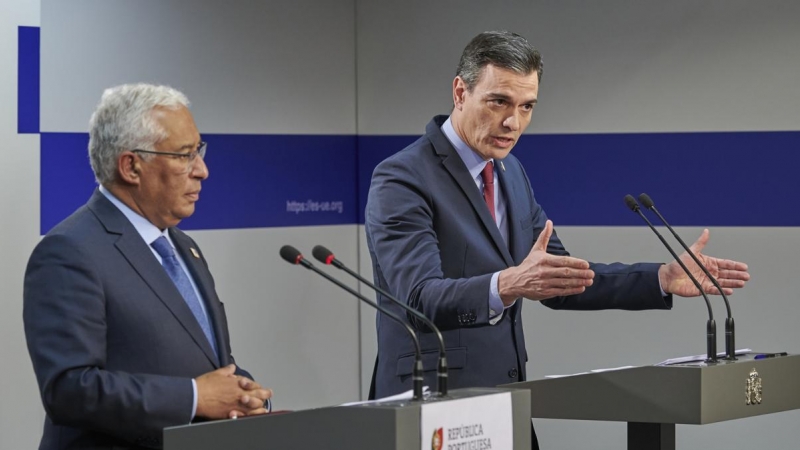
<point x="488" y="186"/>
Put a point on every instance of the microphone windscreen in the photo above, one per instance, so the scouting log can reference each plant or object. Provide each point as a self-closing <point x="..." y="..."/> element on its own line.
<point x="646" y="201"/>
<point x="630" y="202"/>
<point x="291" y="254"/>
<point x="322" y="254"/>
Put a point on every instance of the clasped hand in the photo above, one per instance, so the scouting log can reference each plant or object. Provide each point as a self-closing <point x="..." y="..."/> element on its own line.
<point x="221" y="394"/>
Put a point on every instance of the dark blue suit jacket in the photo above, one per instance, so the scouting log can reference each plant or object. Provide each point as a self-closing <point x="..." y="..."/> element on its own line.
<point x="113" y="344"/>
<point x="433" y="243"/>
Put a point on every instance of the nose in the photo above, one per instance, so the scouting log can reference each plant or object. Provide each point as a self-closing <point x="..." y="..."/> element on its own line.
<point x="512" y="122"/>
<point x="199" y="168"/>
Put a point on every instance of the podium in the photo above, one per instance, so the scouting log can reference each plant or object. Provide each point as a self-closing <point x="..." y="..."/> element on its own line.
<point x="653" y="399"/>
<point x="386" y="426"/>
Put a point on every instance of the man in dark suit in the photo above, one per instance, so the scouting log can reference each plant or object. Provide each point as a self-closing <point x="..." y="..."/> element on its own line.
<point x="454" y="229"/>
<point x="123" y="324"/>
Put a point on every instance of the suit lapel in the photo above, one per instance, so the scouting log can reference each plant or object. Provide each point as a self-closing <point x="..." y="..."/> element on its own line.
<point x="458" y="170"/>
<point x="202" y="278"/>
<point x="508" y="187"/>
<point x="141" y="258"/>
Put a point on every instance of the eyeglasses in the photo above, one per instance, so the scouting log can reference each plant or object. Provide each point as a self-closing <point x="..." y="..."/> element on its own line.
<point x="190" y="157"/>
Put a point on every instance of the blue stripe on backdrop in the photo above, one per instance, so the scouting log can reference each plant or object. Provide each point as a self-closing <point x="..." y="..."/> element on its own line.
<point x="256" y="180"/>
<point x="28" y="80"/>
<point x="696" y="179"/>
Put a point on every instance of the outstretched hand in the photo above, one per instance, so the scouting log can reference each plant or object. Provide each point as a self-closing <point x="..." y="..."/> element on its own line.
<point x="730" y="274"/>
<point x="541" y="275"/>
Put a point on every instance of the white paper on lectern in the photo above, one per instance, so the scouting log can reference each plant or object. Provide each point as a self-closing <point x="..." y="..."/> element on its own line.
<point x="688" y="359"/>
<point x="476" y="422"/>
<point x="403" y="396"/>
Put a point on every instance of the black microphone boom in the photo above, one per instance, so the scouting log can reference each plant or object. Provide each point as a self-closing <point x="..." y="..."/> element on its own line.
<point x="326" y="256"/>
<point x="711" y="325"/>
<point x="730" y="337"/>
<point x="293" y="256"/>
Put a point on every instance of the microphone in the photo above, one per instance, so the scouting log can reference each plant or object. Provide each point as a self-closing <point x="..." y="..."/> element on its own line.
<point x="711" y="326"/>
<point x="325" y="256"/>
<point x="293" y="256"/>
<point x="730" y="339"/>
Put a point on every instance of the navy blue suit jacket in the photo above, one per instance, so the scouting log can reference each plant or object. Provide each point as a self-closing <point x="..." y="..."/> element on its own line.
<point x="114" y="345"/>
<point x="433" y="243"/>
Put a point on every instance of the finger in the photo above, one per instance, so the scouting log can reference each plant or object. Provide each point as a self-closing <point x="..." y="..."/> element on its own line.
<point x="544" y="237"/>
<point x="730" y="283"/>
<point x="733" y="275"/>
<point x="569" y="272"/>
<point x="711" y="289"/>
<point x="566" y="261"/>
<point x="228" y="370"/>
<point x="566" y="283"/>
<point x="701" y="242"/>
<point x="549" y="273"/>
<point x="251" y="402"/>
<point x="257" y="412"/>
<point x="727" y="264"/>
<point x="248" y="384"/>
<point x="558" y="292"/>
<point x="263" y="394"/>
<point x="236" y="414"/>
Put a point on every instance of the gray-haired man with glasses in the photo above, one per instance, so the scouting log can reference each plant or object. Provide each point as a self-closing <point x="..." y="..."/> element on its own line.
<point x="123" y="323"/>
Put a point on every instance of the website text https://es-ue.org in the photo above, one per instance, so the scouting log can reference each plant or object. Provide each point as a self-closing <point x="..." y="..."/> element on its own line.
<point x="314" y="206"/>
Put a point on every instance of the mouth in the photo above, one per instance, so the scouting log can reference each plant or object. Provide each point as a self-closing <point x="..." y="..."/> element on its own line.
<point x="193" y="196"/>
<point x="503" y="142"/>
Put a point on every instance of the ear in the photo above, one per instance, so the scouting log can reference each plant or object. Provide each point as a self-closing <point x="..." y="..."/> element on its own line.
<point x="459" y="91"/>
<point x="129" y="168"/>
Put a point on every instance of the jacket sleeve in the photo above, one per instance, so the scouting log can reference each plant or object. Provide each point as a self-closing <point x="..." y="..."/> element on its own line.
<point x="65" y="326"/>
<point x="400" y="229"/>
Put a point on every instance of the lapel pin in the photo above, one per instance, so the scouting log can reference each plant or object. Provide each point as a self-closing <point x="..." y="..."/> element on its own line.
<point x="502" y="166"/>
<point x="195" y="253"/>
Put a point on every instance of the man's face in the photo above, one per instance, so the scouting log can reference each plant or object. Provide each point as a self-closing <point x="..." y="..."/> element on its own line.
<point x="491" y="118"/>
<point x="169" y="187"/>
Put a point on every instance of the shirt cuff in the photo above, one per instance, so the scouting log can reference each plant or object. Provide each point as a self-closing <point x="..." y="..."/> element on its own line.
<point x="194" y="399"/>
<point x="496" y="307"/>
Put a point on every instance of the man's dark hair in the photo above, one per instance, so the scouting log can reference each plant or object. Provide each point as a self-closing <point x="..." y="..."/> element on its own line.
<point x="502" y="49"/>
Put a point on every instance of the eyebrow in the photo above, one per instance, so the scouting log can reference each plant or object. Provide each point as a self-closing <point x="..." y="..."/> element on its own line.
<point x="190" y="146"/>
<point x="507" y="98"/>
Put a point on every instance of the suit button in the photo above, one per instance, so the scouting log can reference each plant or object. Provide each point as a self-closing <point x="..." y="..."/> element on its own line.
<point x="512" y="373"/>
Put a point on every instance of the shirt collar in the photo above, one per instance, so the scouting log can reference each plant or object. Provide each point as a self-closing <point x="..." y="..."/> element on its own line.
<point x="471" y="158"/>
<point x="146" y="230"/>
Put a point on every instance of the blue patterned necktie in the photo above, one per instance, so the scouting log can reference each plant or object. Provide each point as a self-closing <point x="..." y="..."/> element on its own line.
<point x="181" y="280"/>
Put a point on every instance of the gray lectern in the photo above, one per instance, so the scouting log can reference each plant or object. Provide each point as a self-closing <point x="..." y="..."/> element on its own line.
<point x="385" y="426"/>
<point x="652" y="399"/>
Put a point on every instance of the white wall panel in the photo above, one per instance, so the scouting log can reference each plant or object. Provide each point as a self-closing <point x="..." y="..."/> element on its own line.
<point x="611" y="66"/>
<point x="247" y="66"/>
<point x="21" y="413"/>
<point x="294" y="331"/>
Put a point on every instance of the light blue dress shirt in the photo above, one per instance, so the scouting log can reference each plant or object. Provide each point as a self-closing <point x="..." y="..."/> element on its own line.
<point x="475" y="164"/>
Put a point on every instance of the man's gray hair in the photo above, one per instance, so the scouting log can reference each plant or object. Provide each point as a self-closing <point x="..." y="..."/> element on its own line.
<point x="502" y="49"/>
<point x="123" y="120"/>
